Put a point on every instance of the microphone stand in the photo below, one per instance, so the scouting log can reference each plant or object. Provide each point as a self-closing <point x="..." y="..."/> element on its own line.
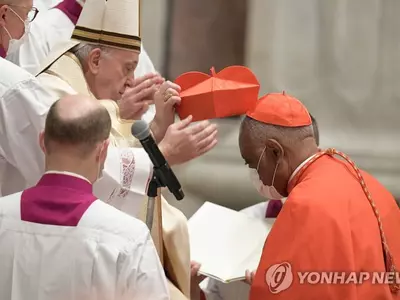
<point x="152" y="193"/>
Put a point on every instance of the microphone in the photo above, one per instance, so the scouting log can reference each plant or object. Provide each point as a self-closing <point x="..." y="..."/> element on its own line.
<point x="163" y="171"/>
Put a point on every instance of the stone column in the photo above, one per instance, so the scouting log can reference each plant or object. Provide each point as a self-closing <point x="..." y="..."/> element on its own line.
<point x="206" y="33"/>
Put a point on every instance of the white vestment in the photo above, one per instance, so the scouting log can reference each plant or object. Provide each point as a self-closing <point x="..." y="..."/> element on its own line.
<point x="108" y="255"/>
<point x="24" y="104"/>
<point x="43" y="5"/>
<point x="52" y="27"/>
<point x="216" y="290"/>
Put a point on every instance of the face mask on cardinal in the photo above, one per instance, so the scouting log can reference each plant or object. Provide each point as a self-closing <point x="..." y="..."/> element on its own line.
<point x="15" y="44"/>
<point x="266" y="191"/>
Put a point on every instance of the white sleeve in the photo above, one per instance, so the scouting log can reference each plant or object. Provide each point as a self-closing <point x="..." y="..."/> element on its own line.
<point x="210" y="289"/>
<point x="144" y="67"/>
<point x="23" y="110"/>
<point x="49" y="28"/>
<point x="125" y="178"/>
<point x="145" y="274"/>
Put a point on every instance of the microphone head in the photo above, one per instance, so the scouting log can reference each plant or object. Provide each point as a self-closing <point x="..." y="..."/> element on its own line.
<point x="140" y="130"/>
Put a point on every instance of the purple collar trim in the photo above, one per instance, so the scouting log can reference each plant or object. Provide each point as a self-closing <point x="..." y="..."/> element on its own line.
<point x="66" y="181"/>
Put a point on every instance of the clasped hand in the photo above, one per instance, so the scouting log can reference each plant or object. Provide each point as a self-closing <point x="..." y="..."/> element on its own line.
<point x="139" y="94"/>
<point x="181" y="141"/>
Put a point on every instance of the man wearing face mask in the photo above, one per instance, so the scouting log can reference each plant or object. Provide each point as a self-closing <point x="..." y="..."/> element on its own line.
<point x="215" y="290"/>
<point x="82" y="247"/>
<point x="336" y="217"/>
<point x="14" y="23"/>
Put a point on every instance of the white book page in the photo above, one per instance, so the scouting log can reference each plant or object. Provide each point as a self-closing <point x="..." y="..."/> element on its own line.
<point x="226" y="242"/>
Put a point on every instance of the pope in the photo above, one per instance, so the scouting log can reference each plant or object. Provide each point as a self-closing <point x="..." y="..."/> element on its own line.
<point x="336" y="216"/>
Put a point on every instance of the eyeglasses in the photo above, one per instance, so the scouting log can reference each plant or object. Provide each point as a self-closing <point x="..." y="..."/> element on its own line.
<point x="31" y="14"/>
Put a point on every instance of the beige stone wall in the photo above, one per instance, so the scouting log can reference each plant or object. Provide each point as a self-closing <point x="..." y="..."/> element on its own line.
<point x="340" y="57"/>
<point x="153" y="29"/>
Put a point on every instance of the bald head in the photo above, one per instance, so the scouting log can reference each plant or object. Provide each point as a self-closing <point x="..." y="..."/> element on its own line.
<point x="76" y="123"/>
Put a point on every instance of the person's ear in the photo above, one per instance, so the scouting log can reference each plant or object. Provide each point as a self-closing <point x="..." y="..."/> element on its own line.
<point x="93" y="61"/>
<point x="41" y="142"/>
<point x="3" y="15"/>
<point x="275" y="150"/>
<point x="103" y="150"/>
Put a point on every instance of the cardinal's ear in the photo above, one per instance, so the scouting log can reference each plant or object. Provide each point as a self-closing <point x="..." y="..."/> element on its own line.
<point x="273" y="147"/>
<point x="3" y="15"/>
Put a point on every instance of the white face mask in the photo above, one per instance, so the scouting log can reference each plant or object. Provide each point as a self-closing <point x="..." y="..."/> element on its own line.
<point x="266" y="191"/>
<point x="15" y="44"/>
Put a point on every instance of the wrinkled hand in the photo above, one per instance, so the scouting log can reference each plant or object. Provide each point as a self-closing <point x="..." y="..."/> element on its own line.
<point x="165" y="100"/>
<point x="249" y="277"/>
<point x="183" y="142"/>
<point x="138" y="96"/>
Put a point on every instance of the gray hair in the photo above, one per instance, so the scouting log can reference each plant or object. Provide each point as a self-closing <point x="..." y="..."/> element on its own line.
<point x="82" y="51"/>
<point x="286" y="135"/>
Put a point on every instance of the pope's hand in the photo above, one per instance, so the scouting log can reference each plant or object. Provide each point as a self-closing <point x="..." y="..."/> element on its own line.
<point x="138" y="96"/>
<point x="183" y="142"/>
<point x="165" y="100"/>
<point x="249" y="277"/>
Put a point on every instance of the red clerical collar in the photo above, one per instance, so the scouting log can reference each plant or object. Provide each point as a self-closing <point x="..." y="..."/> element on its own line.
<point x="3" y="53"/>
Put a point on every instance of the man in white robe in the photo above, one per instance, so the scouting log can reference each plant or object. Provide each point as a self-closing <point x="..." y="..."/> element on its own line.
<point x="53" y="25"/>
<point x="215" y="290"/>
<point x="57" y="241"/>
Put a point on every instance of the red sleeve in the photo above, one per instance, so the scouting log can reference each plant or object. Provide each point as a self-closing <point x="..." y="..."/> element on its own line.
<point x="71" y="8"/>
<point x="305" y="237"/>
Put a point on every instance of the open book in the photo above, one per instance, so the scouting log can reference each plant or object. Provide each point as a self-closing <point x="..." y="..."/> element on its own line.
<point x="226" y="242"/>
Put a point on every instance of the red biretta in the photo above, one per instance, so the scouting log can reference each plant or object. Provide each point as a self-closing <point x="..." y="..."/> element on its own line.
<point x="230" y="92"/>
<point x="337" y="218"/>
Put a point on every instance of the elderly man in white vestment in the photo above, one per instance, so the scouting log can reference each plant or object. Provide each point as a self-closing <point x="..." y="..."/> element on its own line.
<point x="215" y="290"/>
<point x="54" y="24"/>
<point x="57" y="241"/>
